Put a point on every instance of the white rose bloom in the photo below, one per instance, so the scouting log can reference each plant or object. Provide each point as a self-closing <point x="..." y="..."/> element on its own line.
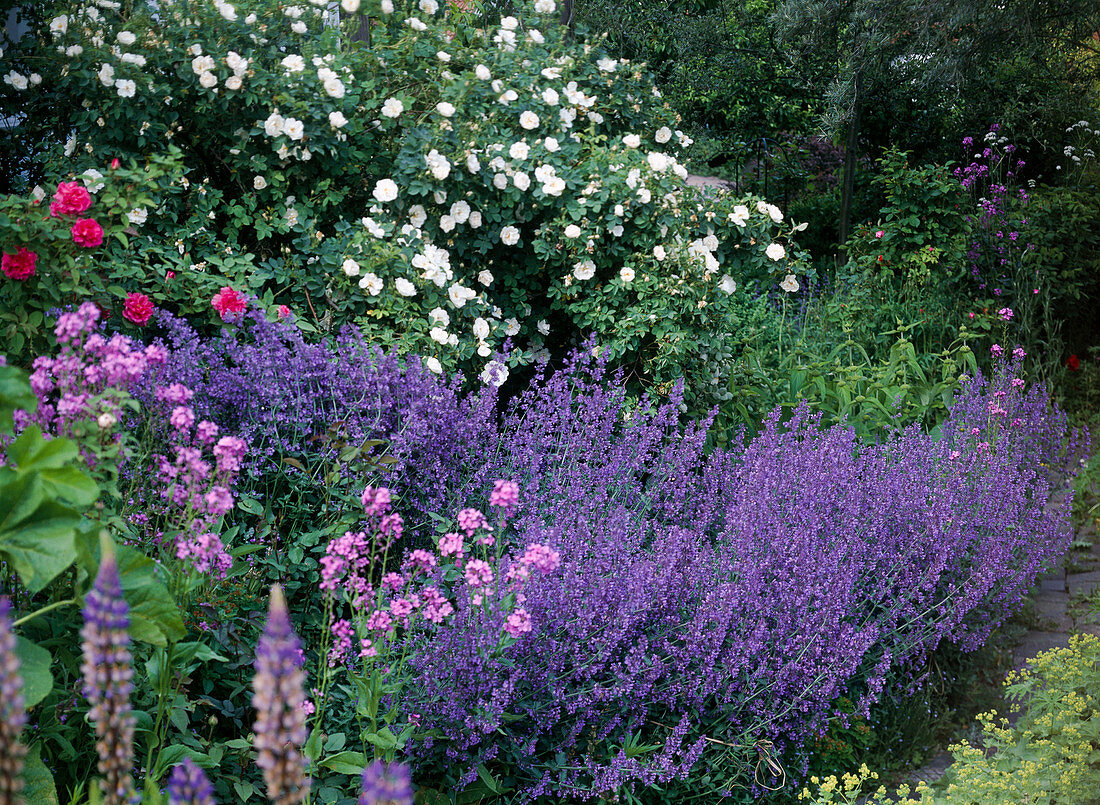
<point x="106" y="77"/>
<point x="439" y="335"/>
<point x="349" y="6"/>
<point x="299" y="27"/>
<point x="511" y="327"/>
<point x="459" y="295"/>
<point x="250" y="19"/>
<point x="417" y="215"/>
<point x="521" y="180"/>
<point x="404" y="287"/>
<point x="529" y="120"/>
<point x="551" y="73"/>
<point x="632" y="140"/>
<point x="483" y="350"/>
<point x="485" y="278"/>
<point x="789" y="284"/>
<point x="125" y="88"/>
<point x="619" y="211"/>
<point x="334" y="88"/>
<point x="536" y="36"/>
<point x="607" y="65"/>
<point x="774" y="213"/>
<point x="740" y="215"/>
<point x="482" y="72"/>
<point x="550" y="96"/>
<point x="227" y="11"/>
<point x="472" y="165"/>
<point x="387" y="6"/>
<point x="509" y="236"/>
<point x="93" y="180"/>
<point x="657" y="162"/>
<point x="447" y="223"/>
<point x="644" y="195"/>
<point x="259" y="182"/>
<point x="438" y="165"/>
<point x="371" y="283"/>
<point x="617" y="231"/>
<point x="195" y="50"/>
<point x="710" y="242"/>
<point x="274" y="125"/>
<point x="433" y="364"/>
<point x="554" y="186"/>
<point x="776" y="251"/>
<point x="626" y="274"/>
<point x="584" y="270"/>
<point x="202" y="64"/>
<point x="337" y="120"/>
<point x="443" y="56"/>
<point x="519" y="150"/>
<point x="234" y="82"/>
<point x="727" y="284"/>
<point x="293" y="63"/>
<point x="543" y="327"/>
<point x="495" y="373"/>
<point x="544" y="6"/>
<point x="481" y="329"/>
<point x="74" y="50"/>
<point x="572" y="231"/>
<point x="294" y="128"/>
<point x="126" y="38"/>
<point x="428" y="6"/>
<point x="500" y="181"/>
<point x="509" y="23"/>
<point x="551" y="145"/>
<point x="59" y="25"/>
<point x="208" y="80"/>
<point x="392" y="108"/>
<point x="445" y="109"/>
<point x="351" y="268"/>
<point x="475" y="219"/>
<point x="659" y="252"/>
<point x="460" y="211"/>
<point x="663" y="135"/>
<point x="385" y="190"/>
<point x="137" y="216"/>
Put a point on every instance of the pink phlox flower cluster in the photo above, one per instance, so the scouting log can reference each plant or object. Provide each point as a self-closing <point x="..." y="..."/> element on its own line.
<point x="1018" y="383"/>
<point x="206" y="553"/>
<point x="229" y="451"/>
<point x="206" y="432"/>
<point x="505" y="495"/>
<point x="996" y="350"/>
<point x="342" y="634"/>
<point x="175" y="394"/>
<point x="380" y="621"/>
<point x="392" y="526"/>
<point x="71" y="326"/>
<point x="478" y="573"/>
<point x="421" y="560"/>
<point x="434" y="605"/>
<point x="452" y="544"/>
<point x="349" y="554"/>
<point x="376" y="501"/>
<point x="1019" y="353"/>
<point x="182" y="418"/>
<point x="518" y="622"/>
<point x="393" y="581"/>
<point x="541" y="557"/>
<point x="470" y="520"/>
<point x="402" y="608"/>
<point x="367" y="648"/>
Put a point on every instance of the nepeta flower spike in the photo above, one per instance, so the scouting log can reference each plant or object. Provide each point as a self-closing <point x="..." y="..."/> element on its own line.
<point x="386" y="784"/>
<point x="279" y="698"/>
<point x="108" y="673"/>
<point x="12" y="714"/>
<point x="189" y="786"/>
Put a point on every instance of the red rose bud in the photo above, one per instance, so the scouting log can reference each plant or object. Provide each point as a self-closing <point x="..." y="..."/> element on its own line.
<point x="171" y="275"/>
<point x="115" y="163"/>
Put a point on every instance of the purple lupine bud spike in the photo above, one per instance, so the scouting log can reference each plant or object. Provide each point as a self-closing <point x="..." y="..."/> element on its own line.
<point x="108" y="673"/>
<point x="188" y="785"/>
<point x="12" y="713"/>
<point x="386" y="784"/>
<point x="279" y="698"/>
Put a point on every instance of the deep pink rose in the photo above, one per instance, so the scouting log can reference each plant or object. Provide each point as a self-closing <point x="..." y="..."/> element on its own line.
<point x="284" y="311"/>
<point x="229" y="303"/>
<point x="137" y="308"/>
<point x="19" y="266"/>
<point x="88" y="233"/>
<point x="71" y="198"/>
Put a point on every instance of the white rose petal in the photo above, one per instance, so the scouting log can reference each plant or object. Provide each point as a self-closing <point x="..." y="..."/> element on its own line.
<point x="626" y="274"/>
<point x="509" y="236"/>
<point x="385" y="190"/>
<point x="775" y="251"/>
<point x="663" y="135"/>
<point x="529" y="120"/>
<point x="404" y="287"/>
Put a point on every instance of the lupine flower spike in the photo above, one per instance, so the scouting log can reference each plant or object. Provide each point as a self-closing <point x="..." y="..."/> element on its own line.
<point x="108" y="673"/>
<point x="12" y="714"/>
<point x="189" y="786"/>
<point x="386" y="784"/>
<point x="279" y="698"/>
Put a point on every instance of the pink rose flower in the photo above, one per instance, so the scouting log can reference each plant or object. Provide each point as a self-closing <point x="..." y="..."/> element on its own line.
<point x="880" y="233"/>
<point x="71" y="198"/>
<point x="138" y="308"/>
<point x="87" y="233"/>
<point x="229" y="303"/>
<point x="19" y="266"/>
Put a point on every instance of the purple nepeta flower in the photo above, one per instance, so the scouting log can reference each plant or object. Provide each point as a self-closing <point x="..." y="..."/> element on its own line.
<point x="108" y="671"/>
<point x="12" y="713"/>
<point x="189" y="786"/>
<point x="386" y="784"/>
<point x="278" y="696"/>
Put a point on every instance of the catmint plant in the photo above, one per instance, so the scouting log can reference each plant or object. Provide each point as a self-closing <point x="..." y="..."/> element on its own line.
<point x="386" y="784"/>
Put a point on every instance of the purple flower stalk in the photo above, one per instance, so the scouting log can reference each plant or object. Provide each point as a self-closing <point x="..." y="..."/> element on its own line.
<point x="12" y="714"/>
<point x="189" y="786"/>
<point x="386" y="784"/>
<point x="108" y="671"/>
<point x="278" y="696"/>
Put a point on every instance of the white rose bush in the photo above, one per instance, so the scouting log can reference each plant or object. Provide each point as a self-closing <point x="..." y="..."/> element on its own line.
<point x="437" y="156"/>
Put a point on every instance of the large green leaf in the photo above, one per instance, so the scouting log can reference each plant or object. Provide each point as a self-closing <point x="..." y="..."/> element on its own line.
<point x="41" y="546"/>
<point x="31" y="452"/>
<point x="38" y="785"/>
<point x="15" y="393"/>
<point x="154" y="617"/>
<point x="34" y="669"/>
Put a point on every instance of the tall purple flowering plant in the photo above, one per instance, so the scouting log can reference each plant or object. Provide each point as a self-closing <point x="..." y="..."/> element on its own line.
<point x="13" y="716"/>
